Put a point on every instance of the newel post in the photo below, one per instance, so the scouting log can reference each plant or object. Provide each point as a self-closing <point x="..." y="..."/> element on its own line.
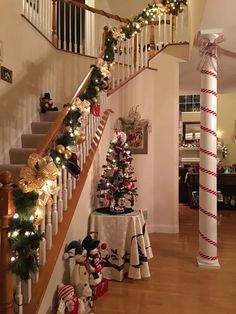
<point x="6" y="212"/>
<point x="54" y="23"/>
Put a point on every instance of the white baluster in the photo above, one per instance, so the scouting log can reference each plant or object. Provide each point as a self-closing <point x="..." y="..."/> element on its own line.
<point x="146" y="46"/>
<point x="141" y="48"/>
<point x="171" y="39"/>
<point x="48" y="226"/>
<point x="137" y="52"/>
<point x="176" y="29"/>
<point x="75" y="26"/>
<point x="81" y="49"/>
<point x="118" y="65"/>
<point x="64" y="190"/>
<point x="182" y="26"/>
<point x="42" y="244"/>
<point x="165" y="40"/>
<point x="159" y="32"/>
<point x="18" y="297"/>
<point x="123" y="62"/>
<point x="23" y="7"/>
<point x="26" y="290"/>
<point x="81" y="156"/>
<point x="69" y="185"/>
<point x="60" y="200"/>
<point x="132" y="55"/>
<point x="64" y="28"/>
<point x="74" y="183"/>
<point x="35" y="276"/>
<point x="59" y="25"/>
<point x="54" y="215"/>
<point x="128" y="58"/>
<point x="70" y="26"/>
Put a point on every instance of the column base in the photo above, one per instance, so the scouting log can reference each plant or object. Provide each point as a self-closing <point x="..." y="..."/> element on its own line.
<point x="203" y="263"/>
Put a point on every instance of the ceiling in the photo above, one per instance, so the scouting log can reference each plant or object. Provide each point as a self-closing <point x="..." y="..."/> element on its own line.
<point x="217" y="14"/>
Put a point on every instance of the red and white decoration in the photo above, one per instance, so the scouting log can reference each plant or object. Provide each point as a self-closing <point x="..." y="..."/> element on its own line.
<point x="208" y="152"/>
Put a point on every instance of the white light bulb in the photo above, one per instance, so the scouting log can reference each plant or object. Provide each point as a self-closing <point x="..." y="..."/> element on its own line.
<point x="15" y="216"/>
<point x="31" y="218"/>
<point x="27" y="233"/>
<point x="58" y="159"/>
<point x="13" y="259"/>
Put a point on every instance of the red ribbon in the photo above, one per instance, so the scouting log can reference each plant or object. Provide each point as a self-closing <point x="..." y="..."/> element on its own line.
<point x="208" y="50"/>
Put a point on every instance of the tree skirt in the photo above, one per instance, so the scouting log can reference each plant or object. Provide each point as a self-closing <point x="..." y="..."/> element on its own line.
<point x="114" y="211"/>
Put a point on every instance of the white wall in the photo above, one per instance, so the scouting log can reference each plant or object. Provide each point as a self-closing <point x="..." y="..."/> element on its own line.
<point x="157" y="172"/>
<point x="37" y="67"/>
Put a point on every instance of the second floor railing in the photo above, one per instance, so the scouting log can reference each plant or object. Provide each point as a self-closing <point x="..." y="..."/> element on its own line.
<point x="75" y="27"/>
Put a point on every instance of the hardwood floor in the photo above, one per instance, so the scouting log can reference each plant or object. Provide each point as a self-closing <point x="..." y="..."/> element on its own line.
<point x="177" y="285"/>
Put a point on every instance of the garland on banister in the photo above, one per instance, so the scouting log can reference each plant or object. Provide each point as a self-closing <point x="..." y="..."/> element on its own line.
<point x="37" y="181"/>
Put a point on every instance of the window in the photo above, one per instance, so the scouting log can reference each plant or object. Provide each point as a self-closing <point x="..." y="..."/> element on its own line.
<point x="189" y="103"/>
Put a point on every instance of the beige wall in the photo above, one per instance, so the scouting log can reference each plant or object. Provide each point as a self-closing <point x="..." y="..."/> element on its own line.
<point x="226" y="123"/>
<point x="195" y="12"/>
<point x="157" y="171"/>
<point x="37" y="67"/>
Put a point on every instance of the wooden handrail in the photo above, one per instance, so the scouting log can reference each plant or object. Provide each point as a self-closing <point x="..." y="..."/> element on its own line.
<point x="97" y="11"/>
<point x="56" y="127"/>
<point x="52" y="255"/>
<point x="7" y="210"/>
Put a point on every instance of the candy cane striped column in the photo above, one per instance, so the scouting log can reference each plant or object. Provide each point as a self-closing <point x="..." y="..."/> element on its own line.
<point x="208" y="161"/>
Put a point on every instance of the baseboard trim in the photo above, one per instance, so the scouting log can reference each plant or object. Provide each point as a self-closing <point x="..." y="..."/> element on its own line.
<point x="162" y="228"/>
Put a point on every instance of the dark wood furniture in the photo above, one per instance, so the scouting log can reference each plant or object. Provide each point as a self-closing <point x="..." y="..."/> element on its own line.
<point x="226" y="187"/>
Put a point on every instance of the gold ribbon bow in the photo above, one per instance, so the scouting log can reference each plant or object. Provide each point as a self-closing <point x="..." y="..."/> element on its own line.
<point x="37" y="172"/>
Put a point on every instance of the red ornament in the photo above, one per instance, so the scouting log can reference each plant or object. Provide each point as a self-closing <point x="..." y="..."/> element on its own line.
<point x="96" y="110"/>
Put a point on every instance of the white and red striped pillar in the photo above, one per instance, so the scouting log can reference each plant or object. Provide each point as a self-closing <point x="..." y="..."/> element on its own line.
<point x="208" y="153"/>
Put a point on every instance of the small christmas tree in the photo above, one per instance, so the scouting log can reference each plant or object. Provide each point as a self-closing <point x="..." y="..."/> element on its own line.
<point x="116" y="188"/>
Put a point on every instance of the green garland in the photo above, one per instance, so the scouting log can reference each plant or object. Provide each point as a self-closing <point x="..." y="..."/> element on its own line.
<point x="24" y="237"/>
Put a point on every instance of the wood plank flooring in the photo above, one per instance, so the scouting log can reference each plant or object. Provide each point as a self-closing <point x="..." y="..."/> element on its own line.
<point x="177" y="285"/>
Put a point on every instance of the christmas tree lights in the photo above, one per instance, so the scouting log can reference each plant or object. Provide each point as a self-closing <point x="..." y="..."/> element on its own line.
<point x="116" y="189"/>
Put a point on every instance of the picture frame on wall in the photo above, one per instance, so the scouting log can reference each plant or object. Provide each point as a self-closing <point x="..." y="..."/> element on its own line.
<point x="137" y="137"/>
<point x="6" y="74"/>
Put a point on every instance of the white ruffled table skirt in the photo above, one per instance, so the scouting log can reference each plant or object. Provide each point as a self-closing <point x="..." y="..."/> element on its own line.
<point x="128" y="245"/>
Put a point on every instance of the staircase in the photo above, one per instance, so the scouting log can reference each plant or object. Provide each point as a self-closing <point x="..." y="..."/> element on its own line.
<point x="30" y="142"/>
<point x="129" y="61"/>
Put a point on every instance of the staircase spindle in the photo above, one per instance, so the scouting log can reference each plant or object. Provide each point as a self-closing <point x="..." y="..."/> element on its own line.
<point x="64" y="27"/>
<point x="70" y="29"/>
<point x="128" y="58"/>
<point x="54" y="215"/>
<point x="18" y="296"/>
<point x="69" y="185"/>
<point x="54" y="23"/>
<point x="59" y="26"/>
<point x="26" y="290"/>
<point x="35" y="277"/>
<point x="141" y="48"/>
<point x="75" y="32"/>
<point x="81" y="32"/>
<point x="48" y="226"/>
<point x="60" y="199"/>
<point x="74" y="183"/>
<point x="64" y="189"/>
<point x="42" y="244"/>
<point x="170" y="30"/>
